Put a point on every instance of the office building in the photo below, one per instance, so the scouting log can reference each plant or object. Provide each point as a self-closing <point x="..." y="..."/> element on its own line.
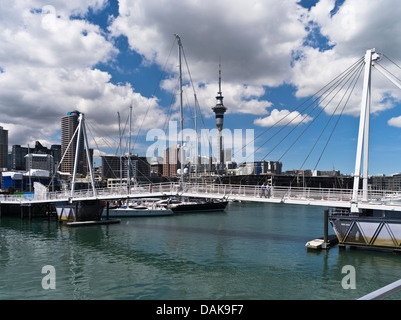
<point x="39" y="161"/>
<point x="18" y="157"/>
<point x="69" y="124"/>
<point x="3" y="148"/>
<point x="18" y="153"/>
<point x="111" y="167"/>
<point x="171" y="162"/>
<point x="260" y="167"/>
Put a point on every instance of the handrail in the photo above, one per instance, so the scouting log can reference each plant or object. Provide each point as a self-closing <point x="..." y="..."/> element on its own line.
<point x="223" y="190"/>
<point x="383" y="292"/>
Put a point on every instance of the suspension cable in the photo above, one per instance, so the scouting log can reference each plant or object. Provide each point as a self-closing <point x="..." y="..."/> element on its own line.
<point x="324" y="92"/>
<point x="357" y="76"/>
<point x="353" y="82"/>
<point x="329" y="84"/>
<point x="322" y="109"/>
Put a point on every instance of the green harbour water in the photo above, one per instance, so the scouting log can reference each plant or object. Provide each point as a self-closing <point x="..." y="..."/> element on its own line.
<point x="249" y="252"/>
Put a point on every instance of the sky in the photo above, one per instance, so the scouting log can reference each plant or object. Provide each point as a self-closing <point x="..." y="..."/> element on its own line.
<point x="102" y="56"/>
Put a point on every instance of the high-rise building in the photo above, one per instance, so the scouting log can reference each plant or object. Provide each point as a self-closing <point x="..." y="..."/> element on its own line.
<point x="18" y="157"/>
<point x="3" y="148"/>
<point x="111" y="167"/>
<point x="69" y="124"/>
<point x="171" y="162"/>
<point x="219" y="110"/>
<point x="227" y="154"/>
<point x="18" y="154"/>
<point x="55" y="151"/>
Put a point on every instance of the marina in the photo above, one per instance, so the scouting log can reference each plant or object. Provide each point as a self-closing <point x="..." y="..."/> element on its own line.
<point x="266" y="172"/>
<point x="350" y="207"/>
<point x="351" y="215"/>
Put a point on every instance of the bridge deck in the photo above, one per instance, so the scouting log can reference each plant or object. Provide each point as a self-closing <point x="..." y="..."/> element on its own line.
<point x="383" y="200"/>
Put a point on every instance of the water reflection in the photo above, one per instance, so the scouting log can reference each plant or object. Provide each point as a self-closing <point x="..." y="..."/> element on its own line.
<point x="253" y="251"/>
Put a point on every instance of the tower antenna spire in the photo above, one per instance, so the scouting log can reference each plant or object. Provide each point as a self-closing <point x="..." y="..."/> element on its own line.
<point x="220" y="75"/>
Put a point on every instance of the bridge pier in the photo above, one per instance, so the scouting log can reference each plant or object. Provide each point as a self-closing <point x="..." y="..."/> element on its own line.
<point x="107" y="210"/>
<point x="28" y="210"/>
<point x="82" y="210"/>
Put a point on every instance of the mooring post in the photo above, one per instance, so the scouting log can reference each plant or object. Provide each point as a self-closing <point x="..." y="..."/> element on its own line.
<point x="76" y="212"/>
<point x="326" y="229"/>
<point x="107" y="210"/>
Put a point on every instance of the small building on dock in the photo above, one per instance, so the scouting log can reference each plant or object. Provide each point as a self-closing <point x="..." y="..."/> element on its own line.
<point x="12" y="180"/>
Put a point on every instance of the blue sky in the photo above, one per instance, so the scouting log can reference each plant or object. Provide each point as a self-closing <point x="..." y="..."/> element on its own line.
<point x="101" y="56"/>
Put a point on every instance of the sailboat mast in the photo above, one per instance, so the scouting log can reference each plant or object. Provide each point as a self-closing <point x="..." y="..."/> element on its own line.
<point x="129" y="151"/>
<point x="181" y="152"/>
<point x="119" y="133"/>
<point x="196" y="142"/>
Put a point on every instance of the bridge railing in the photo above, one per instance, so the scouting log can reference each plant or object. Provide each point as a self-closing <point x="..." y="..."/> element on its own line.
<point x="223" y="190"/>
<point x="228" y="190"/>
<point x="328" y="194"/>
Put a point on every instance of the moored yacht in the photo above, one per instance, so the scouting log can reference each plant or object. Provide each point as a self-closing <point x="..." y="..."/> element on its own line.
<point x="142" y="208"/>
<point x="195" y="205"/>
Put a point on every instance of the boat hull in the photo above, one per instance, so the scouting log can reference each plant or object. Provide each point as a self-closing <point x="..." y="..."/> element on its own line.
<point x="128" y="213"/>
<point x="200" y="207"/>
<point x="79" y="211"/>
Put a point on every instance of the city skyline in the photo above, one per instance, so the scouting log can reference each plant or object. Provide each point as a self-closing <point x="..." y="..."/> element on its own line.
<point x="100" y="57"/>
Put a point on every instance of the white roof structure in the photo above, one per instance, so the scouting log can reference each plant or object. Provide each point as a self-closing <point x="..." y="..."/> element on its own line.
<point x="37" y="173"/>
<point x="13" y="175"/>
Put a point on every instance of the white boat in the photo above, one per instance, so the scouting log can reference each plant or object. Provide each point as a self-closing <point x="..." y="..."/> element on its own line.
<point x="142" y="208"/>
<point x="314" y="244"/>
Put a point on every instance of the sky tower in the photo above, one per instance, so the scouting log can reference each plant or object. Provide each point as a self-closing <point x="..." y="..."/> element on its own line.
<point x="219" y="110"/>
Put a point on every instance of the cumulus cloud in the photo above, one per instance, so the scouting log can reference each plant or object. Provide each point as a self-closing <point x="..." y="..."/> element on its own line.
<point x="395" y="122"/>
<point x="48" y="58"/>
<point x="350" y="29"/>
<point x="268" y="46"/>
<point x="282" y="118"/>
<point x="253" y="38"/>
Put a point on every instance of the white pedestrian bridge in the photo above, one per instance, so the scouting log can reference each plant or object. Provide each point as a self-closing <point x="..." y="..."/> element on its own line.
<point x="324" y="197"/>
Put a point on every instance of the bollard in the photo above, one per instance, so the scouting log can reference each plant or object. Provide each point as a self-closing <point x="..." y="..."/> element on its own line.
<point x="326" y="244"/>
<point x="326" y="226"/>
